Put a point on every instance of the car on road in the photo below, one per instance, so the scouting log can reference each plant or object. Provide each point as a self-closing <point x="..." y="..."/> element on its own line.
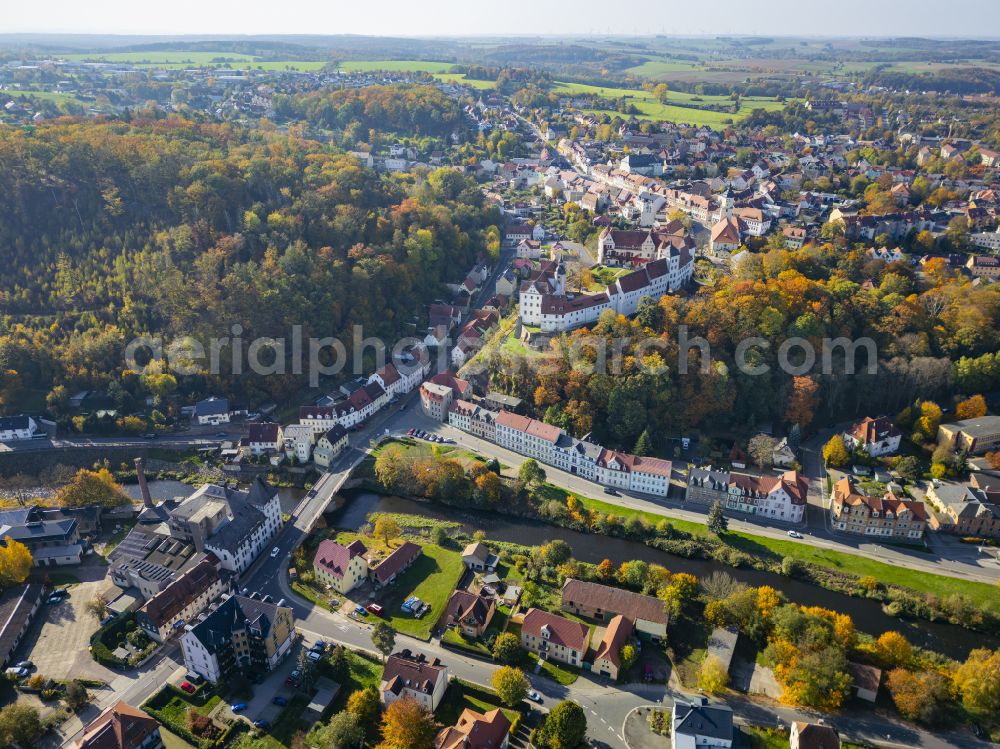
<point x="275" y="551"/>
<point x="188" y="687"/>
<point x="534" y="696"/>
<point x="609" y="490"/>
<point x="262" y="724"/>
<point x="279" y="701"/>
<point x="150" y="435"/>
<point x="361" y="611"/>
<point x="238" y="707"/>
<point x="794" y="534"/>
<point x="221" y="435"/>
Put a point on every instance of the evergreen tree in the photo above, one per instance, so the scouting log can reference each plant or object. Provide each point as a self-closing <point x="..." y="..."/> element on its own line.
<point x="717" y="521"/>
<point x="644" y="445"/>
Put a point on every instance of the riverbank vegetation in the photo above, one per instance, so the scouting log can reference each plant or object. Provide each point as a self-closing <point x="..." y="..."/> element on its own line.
<point x="904" y="592"/>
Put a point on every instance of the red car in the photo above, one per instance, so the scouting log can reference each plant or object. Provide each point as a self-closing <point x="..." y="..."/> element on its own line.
<point x="188" y="687"/>
<point x="374" y="608"/>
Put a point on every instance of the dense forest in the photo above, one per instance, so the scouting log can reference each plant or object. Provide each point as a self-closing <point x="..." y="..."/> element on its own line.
<point x="934" y="339"/>
<point x="415" y="110"/>
<point x="113" y="229"/>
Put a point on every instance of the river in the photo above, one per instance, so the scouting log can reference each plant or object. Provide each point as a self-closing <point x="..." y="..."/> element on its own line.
<point x="868" y="616"/>
<point x="168" y="489"/>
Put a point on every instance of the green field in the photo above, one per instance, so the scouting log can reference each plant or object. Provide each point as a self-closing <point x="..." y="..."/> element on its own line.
<point x="675" y="111"/>
<point x="461" y="79"/>
<point x="658" y="68"/>
<point x="181" y="60"/>
<point x="54" y="96"/>
<point x="402" y="66"/>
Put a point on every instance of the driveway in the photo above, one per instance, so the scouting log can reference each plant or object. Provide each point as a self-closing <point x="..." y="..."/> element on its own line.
<point x="59" y="640"/>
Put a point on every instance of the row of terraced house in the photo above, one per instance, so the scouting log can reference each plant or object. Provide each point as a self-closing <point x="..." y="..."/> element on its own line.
<point x="550" y="444"/>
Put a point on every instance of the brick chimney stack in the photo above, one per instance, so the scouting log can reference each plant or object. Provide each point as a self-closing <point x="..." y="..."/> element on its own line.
<point x="140" y="473"/>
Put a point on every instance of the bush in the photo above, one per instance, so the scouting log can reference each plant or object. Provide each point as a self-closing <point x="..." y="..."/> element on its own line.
<point x="792" y="567"/>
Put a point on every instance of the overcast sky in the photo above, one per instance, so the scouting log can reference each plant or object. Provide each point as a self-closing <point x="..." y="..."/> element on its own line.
<point x="854" y="18"/>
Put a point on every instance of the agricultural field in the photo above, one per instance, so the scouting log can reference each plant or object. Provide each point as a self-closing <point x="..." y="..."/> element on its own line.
<point x="675" y="110"/>
<point x="181" y="60"/>
<point x="459" y="78"/>
<point x="402" y="66"/>
<point x="660" y="68"/>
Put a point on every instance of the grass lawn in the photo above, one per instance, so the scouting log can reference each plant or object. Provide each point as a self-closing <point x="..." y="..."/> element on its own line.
<point x="319" y="597"/>
<point x="456" y="639"/>
<point x="558" y="672"/>
<point x="981" y="594"/>
<point x="432" y="578"/>
<point x="173" y="741"/>
<point x="658" y="68"/>
<point x="462" y="695"/>
<point x="688" y="639"/>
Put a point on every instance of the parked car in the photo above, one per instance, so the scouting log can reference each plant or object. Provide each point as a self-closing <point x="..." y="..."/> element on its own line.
<point x="314" y="656"/>
<point x="194" y="678"/>
<point x="292" y="679"/>
<point x="20" y="673"/>
<point x="275" y="551"/>
<point x="609" y="490"/>
<point x="238" y="707"/>
<point x="409" y="432"/>
<point x="375" y="609"/>
<point x="188" y="687"/>
<point x="55" y="599"/>
<point x="360" y="611"/>
<point x="262" y="724"/>
<point x="319" y="646"/>
<point x="534" y="696"/>
<point x="279" y="701"/>
<point x="794" y="534"/>
<point x="25" y="664"/>
<point x="221" y="435"/>
<point x="150" y="435"/>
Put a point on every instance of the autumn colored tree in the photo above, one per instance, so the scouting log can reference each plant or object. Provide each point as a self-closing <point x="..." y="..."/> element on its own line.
<point x="392" y="468"/>
<point x="564" y="727"/>
<point x="712" y="675"/>
<point x="835" y="452"/>
<point x="406" y="724"/>
<point x="802" y="401"/>
<point x="978" y="680"/>
<point x="893" y="649"/>
<point x="386" y="528"/>
<point x="761" y="449"/>
<point x="92" y="488"/>
<point x="606" y="570"/>
<point x="510" y="684"/>
<point x="926" y="425"/>
<point x="365" y="704"/>
<point x="15" y="562"/>
<point x="923" y="696"/>
<point x="971" y="408"/>
<point x="488" y="489"/>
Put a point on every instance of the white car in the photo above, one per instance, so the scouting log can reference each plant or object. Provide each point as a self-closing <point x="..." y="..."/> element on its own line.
<point x="20" y="673"/>
<point x="314" y="656"/>
<point x="794" y="534"/>
<point x="275" y="551"/>
<point x="534" y="696"/>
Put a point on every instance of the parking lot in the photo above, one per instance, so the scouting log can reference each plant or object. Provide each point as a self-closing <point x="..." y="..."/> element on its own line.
<point x="59" y="640"/>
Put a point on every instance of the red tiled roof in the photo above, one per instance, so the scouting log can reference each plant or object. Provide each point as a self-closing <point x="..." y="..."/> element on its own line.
<point x="334" y="557"/>
<point x="618" y="632"/>
<point x="399" y="559"/>
<point x="562" y="631"/>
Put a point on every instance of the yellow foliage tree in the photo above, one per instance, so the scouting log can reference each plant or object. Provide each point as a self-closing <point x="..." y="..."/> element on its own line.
<point x="712" y="676"/>
<point x="894" y="649"/>
<point x="768" y="599"/>
<point x="15" y="562"/>
<point x="835" y="452"/>
<point x="92" y="488"/>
